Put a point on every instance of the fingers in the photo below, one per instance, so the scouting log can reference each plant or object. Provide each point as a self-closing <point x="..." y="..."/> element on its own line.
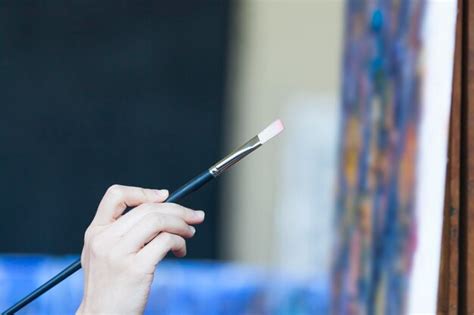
<point x="147" y="228"/>
<point x="157" y="249"/>
<point x="128" y="220"/>
<point x="118" y="198"/>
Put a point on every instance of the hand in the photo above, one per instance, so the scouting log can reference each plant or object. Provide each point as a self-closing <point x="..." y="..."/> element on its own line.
<point x="121" y="252"/>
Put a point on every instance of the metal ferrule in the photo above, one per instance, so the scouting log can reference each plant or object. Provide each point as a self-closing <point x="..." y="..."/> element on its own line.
<point x="235" y="156"/>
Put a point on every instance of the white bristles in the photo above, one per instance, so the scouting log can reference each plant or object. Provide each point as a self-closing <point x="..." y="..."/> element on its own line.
<point x="271" y="131"/>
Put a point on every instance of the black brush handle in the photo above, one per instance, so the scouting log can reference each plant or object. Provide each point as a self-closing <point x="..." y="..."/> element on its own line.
<point x="69" y="270"/>
<point x="191" y="186"/>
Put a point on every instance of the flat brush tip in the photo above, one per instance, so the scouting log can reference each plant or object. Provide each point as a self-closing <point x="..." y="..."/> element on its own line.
<point x="271" y="131"/>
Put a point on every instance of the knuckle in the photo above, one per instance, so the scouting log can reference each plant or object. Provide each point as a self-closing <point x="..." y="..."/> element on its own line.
<point x="191" y="215"/>
<point x="179" y="247"/>
<point x="157" y="220"/>
<point x="167" y="238"/>
<point x="115" y="189"/>
<point x="178" y="209"/>
<point x="172" y="205"/>
<point x="97" y="248"/>
<point x="182" y="212"/>
<point x="181" y="241"/>
<point x="143" y="191"/>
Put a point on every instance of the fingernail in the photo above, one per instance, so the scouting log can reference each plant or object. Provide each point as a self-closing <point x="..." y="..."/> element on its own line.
<point x="199" y="214"/>
<point x="162" y="193"/>
<point x="192" y="229"/>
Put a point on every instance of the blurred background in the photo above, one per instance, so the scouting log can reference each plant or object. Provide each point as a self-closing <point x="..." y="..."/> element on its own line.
<point x="149" y="93"/>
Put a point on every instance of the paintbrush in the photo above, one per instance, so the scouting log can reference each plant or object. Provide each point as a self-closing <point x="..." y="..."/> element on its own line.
<point x="194" y="184"/>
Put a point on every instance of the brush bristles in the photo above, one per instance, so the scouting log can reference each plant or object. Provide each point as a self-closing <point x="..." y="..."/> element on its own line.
<point x="271" y="131"/>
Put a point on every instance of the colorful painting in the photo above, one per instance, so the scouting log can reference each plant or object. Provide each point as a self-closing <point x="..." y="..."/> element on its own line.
<point x="381" y="104"/>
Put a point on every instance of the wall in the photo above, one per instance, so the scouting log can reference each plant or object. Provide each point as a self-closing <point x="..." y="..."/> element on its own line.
<point x="285" y="57"/>
<point x="94" y="94"/>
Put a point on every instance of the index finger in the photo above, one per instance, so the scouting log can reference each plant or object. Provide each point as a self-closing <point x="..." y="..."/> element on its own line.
<point x="117" y="198"/>
<point x="125" y="222"/>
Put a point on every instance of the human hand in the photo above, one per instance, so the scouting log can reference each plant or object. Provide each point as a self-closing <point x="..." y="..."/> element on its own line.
<point x="121" y="251"/>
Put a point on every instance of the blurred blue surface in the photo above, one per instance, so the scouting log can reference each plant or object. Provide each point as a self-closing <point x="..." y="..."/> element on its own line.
<point x="180" y="287"/>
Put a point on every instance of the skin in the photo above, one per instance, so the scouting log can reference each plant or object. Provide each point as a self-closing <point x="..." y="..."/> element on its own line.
<point x="121" y="251"/>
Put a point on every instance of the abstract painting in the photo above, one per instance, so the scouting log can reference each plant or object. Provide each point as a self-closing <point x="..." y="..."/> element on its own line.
<point x="375" y="206"/>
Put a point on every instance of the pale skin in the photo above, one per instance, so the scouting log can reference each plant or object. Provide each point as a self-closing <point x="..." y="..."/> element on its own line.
<point x="121" y="251"/>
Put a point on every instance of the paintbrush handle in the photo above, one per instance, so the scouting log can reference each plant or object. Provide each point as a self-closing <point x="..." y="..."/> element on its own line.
<point x="191" y="186"/>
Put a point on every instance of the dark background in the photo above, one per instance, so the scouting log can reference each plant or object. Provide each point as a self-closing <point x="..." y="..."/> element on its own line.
<point x="101" y="92"/>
